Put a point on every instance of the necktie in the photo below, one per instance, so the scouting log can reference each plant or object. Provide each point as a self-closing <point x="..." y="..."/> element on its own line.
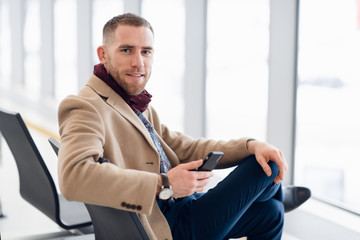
<point x="164" y="161"/>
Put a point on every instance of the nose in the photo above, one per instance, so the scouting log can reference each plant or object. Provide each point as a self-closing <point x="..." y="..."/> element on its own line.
<point x="137" y="60"/>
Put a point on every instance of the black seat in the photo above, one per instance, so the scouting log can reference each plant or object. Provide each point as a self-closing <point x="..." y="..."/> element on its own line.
<point x="36" y="183"/>
<point x="111" y="223"/>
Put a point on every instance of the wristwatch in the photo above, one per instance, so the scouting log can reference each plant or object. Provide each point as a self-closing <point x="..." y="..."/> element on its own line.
<point x="166" y="192"/>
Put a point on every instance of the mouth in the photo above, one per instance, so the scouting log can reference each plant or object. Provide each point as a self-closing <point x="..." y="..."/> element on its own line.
<point x="136" y="75"/>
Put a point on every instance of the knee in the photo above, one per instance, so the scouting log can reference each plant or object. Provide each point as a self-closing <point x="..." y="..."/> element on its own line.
<point x="274" y="169"/>
<point x="251" y="167"/>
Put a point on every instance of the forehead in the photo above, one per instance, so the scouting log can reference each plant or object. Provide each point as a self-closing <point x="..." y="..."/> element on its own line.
<point x="134" y="36"/>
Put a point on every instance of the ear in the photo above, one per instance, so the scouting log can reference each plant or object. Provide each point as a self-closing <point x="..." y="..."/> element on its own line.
<point x="101" y="52"/>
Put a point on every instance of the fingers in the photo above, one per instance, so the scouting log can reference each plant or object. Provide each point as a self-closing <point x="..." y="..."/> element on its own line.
<point x="276" y="156"/>
<point x="192" y="165"/>
<point x="201" y="185"/>
<point x="280" y="161"/>
<point x="201" y="175"/>
<point x="279" y="158"/>
<point x="277" y="180"/>
<point x="284" y="160"/>
<point x="185" y="182"/>
<point x="198" y="174"/>
<point x="265" y="166"/>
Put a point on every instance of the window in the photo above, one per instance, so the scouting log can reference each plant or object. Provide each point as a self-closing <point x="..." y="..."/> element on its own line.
<point x="328" y="101"/>
<point x="32" y="44"/>
<point x="103" y="11"/>
<point x="167" y="75"/>
<point x="237" y="68"/>
<point x="65" y="48"/>
<point x="5" y="44"/>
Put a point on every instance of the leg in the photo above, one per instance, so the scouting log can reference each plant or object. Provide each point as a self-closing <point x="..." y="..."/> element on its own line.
<point x="268" y="217"/>
<point x="214" y="214"/>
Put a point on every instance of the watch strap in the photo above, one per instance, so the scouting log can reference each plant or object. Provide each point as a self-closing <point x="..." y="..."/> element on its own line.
<point x="165" y="181"/>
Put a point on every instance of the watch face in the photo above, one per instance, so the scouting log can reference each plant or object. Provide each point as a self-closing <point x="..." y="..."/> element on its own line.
<point x="165" y="193"/>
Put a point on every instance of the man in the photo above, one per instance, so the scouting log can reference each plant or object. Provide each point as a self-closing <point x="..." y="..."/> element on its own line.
<point x="111" y="118"/>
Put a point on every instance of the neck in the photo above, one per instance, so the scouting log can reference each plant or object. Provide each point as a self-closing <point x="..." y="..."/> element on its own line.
<point x="139" y="102"/>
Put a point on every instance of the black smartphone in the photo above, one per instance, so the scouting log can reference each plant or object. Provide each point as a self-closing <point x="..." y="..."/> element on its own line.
<point x="210" y="161"/>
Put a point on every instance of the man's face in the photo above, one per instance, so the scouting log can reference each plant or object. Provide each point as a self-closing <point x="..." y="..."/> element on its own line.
<point x="129" y="57"/>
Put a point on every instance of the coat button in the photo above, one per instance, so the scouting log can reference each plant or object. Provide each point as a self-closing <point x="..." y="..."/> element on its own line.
<point x="138" y="207"/>
<point x="123" y="204"/>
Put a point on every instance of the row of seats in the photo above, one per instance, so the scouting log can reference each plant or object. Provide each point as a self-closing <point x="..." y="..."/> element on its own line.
<point x="38" y="188"/>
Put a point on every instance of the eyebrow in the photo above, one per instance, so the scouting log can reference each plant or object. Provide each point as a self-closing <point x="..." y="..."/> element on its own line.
<point x="131" y="46"/>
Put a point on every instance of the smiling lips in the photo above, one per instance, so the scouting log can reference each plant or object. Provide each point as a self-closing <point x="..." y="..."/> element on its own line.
<point x="135" y="75"/>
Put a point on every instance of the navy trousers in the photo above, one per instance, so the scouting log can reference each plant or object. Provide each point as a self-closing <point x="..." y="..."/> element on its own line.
<point x="246" y="203"/>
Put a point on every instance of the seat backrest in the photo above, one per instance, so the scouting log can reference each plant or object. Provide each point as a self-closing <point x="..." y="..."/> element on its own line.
<point x="111" y="223"/>
<point x="36" y="184"/>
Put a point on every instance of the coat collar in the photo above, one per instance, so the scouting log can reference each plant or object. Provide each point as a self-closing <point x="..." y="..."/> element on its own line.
<point x="119" y="105"/>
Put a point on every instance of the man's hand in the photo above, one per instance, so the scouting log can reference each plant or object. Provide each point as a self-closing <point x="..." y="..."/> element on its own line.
<point x="185" y="182"/>
<point x="264" y="153"/>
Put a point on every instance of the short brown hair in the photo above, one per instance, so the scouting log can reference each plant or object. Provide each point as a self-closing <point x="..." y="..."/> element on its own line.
<point x="128" y="19"/>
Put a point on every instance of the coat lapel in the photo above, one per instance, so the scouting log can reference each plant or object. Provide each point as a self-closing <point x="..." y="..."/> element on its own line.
<point x="119" y="105"/>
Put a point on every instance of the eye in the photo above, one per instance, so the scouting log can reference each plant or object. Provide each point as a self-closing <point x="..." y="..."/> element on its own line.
<point x="125" y="50"/>
<point x="147" y="52"/>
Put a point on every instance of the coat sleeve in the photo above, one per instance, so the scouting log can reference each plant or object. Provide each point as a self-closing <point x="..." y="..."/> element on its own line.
<point x="82" y="178"/>
<point x="189" y="149"/>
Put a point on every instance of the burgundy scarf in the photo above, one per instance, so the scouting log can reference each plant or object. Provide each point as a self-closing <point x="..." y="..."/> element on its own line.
<point x="139" y="102"/>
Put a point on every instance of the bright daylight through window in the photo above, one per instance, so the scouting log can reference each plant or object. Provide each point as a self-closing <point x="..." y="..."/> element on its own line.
<point x="237" y="68"/>
<point x="328" y="103"/>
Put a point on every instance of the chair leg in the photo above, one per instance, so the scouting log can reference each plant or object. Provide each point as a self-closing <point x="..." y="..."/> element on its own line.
<point x="1" y="213"/>
<point x="0" y="149"/>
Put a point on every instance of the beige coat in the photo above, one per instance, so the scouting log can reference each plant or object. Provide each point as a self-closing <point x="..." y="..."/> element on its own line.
<point x="99" y="123"/>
